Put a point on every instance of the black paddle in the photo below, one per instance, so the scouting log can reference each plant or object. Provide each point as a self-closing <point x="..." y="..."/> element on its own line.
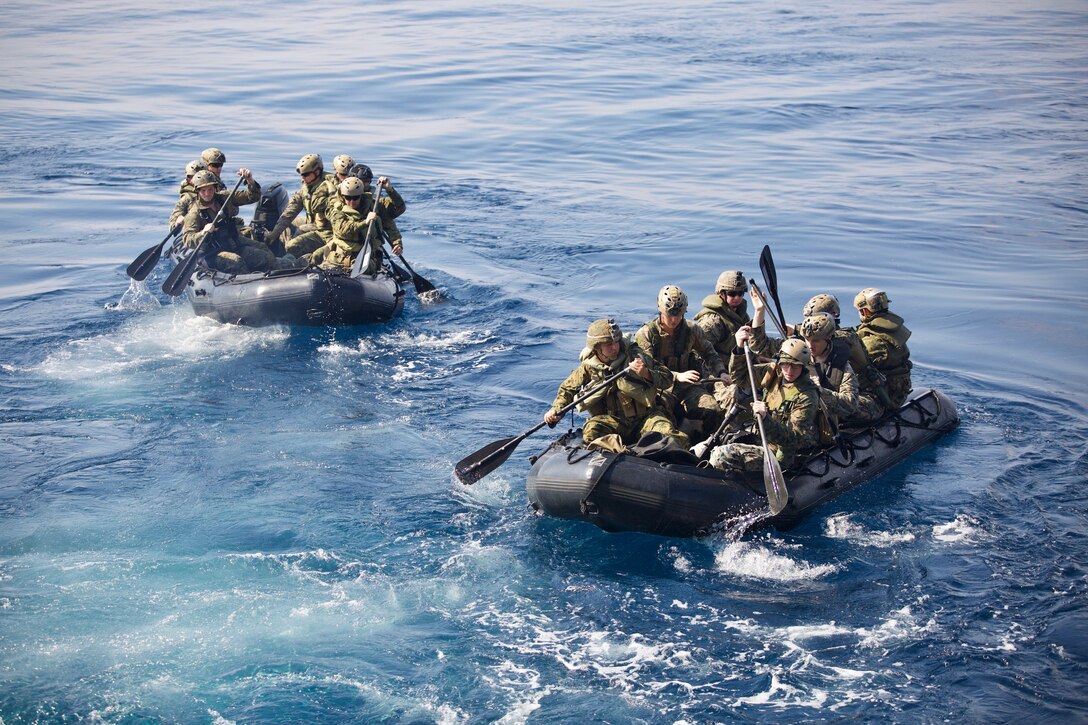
<point x="777" y="323"/>
<point x="422" y="285"/>
<point x="364" y="254"/>
<point x="175" y="284"/>
<point x="471" y="469"/>
<point x="773" y="480"/>
<point x="718" y="436"/>
<point x="770" y="276"/>
<point x="142" y="265"/>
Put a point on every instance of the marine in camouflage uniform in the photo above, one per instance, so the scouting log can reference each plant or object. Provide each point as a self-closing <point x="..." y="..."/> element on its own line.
<point x="390" y="206"/>
<point x="313" y="197"/>
<point x="873" y="401"/>
<point x="789" y="400"/>
<point x="723" y="313"/>
<point x="214" y="159"/>
<point x="885" y="338"/>
<point x="225" y="248"/>
<point x="682" y="347"/>
<point x="186" y="193"/>
<point x="830" y="369"/>
<point x="622" y="412"/>
<point x="351" y="224"/>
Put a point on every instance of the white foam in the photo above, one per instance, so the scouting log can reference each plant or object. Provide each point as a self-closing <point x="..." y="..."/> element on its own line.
<point x="962" y="529"/>
<point x="901" y="625"/>
<point x="748" y="559"/>
<point x="172" y="335"/>
<point x="840" y="526"/>
<point x="218" y="719"/>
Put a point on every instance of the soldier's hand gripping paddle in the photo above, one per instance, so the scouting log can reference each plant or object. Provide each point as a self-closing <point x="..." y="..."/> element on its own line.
<point x="472" y="468"/>
<point x="762" y="298"/>
<point x="773" y="480"/>
<point x="175" y="284"/>
<point x="142" y="265"/>
<point x="770" y="277"/>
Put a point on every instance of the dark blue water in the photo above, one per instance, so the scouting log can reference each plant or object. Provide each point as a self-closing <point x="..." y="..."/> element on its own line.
<point x="204" y="523"/>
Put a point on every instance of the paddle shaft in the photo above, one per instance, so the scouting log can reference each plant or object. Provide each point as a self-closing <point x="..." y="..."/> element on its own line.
<point x="755" y="395"/>
<point x="175" y="283"/>
<point x="772" y="471"/>
<point x="467" y="467"/>
<point x="143" y="264"/>
<point x="717" y="435"/>
<point x="777" y="323"/>
<point x="421" y="284"/>
<point x="364" y="254"/>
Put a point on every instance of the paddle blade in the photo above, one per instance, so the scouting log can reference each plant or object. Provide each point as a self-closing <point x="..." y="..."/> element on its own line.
<point x="471" y="469"/>
<point x="422" y="285"/>
<point x="766" y="266"/>
<point x="142" y="265"/>
<point x="179" y="278"/>
<point x="770" y="277"/>
<point x="774" y="482"/>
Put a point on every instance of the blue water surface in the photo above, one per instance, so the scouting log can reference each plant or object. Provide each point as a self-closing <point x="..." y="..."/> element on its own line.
<point x="207" y="523"/>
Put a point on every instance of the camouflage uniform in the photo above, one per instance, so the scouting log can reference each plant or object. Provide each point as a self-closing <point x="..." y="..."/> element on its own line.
<point x="686" y="349"/>
<point x="186" y="198"/>
<point x="629" y="407"/>
<point x="349" y="228"/>
<point x="389" y="208"/>
<point x="226" y="249"/>
<point x="317" y="231"/>
<point x="790" y="423"/>
<point x="836" y="381"/>
<point x="719" y="323"/>
<point x="885" y="338"/>
<point x="873" y="401"/>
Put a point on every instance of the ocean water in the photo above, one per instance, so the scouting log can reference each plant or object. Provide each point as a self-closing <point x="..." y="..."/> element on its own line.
<point x="207" y="523"/>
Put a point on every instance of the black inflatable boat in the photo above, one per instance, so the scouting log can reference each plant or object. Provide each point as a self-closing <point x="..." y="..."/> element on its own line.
<point x="621" y="492"/>
<point x="310" y="296"/>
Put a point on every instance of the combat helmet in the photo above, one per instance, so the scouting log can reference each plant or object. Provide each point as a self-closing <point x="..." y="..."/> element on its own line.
<point x="309" y="163"/>
<point x="602" y="331"/>
<point x="194" y="166"/>
<point x="872" y="300"/>
<point x="795" y="351"/>
<point x="671" y="300"/>
<point x="352" y="187"/>
<point x="213" y="156"/>
<point x="204" y="178"/>
<point x="343" y="164"/>
<point x="822" y="303"/>
<point x="361" y="171"/>
<point x="731" y="281"/>
<point x="818" y="326"/>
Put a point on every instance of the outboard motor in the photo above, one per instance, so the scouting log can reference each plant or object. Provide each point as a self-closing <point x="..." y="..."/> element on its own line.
<point x="273" y="201"/>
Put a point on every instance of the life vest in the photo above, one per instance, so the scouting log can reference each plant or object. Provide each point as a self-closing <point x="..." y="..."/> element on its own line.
<point x="314" y="198"/>
<point x="887" y="330"/>
<point x="781" y="397"/>
<point x="717" y="313"/>
<point x="226" y="233"/>
<point x="674" y="351"/>
<point x="629" y="397"/>
<point x="832" y="370"/>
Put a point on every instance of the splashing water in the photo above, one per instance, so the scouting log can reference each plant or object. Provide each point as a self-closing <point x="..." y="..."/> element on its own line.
<point x="137" y="298"/>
